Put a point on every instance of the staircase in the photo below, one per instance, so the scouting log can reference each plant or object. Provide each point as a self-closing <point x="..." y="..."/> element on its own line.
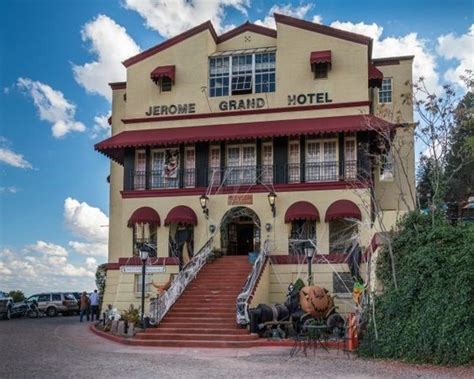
<point x="205" y="314"/>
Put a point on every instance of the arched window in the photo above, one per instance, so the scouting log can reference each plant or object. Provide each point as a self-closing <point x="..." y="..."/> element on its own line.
<point x="301" y="231"/>
<point x="342" y="233"/>
<point x="144" y="223"/>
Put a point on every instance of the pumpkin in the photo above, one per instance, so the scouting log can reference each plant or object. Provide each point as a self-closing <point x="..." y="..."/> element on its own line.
<point x="316" y="301"/>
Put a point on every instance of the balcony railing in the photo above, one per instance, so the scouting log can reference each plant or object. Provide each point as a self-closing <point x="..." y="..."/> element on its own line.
<point x="249" y="175"/>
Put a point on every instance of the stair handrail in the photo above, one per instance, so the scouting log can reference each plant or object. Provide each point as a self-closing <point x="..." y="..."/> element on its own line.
<point x="243" y="299"/>
<point x="160" y="306"/>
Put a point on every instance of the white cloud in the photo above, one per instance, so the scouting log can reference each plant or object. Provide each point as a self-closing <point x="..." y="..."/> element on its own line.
<point x="44" y="272"/>
<point x="86" y="221"/>
<point x="96" y="249"/>
<point x="299" y="11"/>
<point x="52" y="107"/>
<point x="47" y="249"/>
<point x="171" y="17"/>
<point x="111" y="44"/>
<point x="10" y="189"/>
<point x="9" y="157"/>
<point x="101" y="126"/>
<point x="91" y="263"/>
<point x="424" y="64"/>
<point x="460" y="49"/>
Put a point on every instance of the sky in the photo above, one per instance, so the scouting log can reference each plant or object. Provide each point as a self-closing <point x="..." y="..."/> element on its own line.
<point x="56" y="58"/>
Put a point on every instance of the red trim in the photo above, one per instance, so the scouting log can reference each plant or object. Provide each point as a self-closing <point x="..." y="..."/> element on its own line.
<point x="118" y="85"/>
<point x="342" y="209"/>
<point x="320" y="57"/>
<point x="247" y="27"/>
<point x="181" y="214"/>
<point x="163" y="71"/>
<point x="144" y="215"/>
<point x="322" y="29"/>
<point x="391" y="61"/>
<point x="171" y="42"/>
<point x="136" y="261"/>
<point x="302" y="210"/>
<point x="249" y="112"/>
<point x="326" y="186"/>
<point x="284" y="259"/>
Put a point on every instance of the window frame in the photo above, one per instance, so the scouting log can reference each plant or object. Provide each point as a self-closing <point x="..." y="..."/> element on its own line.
<point x="383" y="91"/>
<point x="137" y="283"/>
<point x="139" y="182"/>
<point x="322" y="160"/>
<point x="189" y="176"/>
<point x="350" y="172"/>
<point x="230" y="75"/>
<point x="267" y="168"/>
<point x="294" y="166"/>
<point x="386" y="159"/>
<point x="165" y="85"/>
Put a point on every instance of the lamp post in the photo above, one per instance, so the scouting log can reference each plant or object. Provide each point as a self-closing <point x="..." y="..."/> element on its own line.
<point x="271" y="200"/>
<point x="309" y="252"/>
<point x="143" y="257"/>
<point x="203" y="200"/>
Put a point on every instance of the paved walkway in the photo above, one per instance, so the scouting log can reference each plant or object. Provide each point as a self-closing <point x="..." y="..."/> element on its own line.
<point x="63" y="347"/>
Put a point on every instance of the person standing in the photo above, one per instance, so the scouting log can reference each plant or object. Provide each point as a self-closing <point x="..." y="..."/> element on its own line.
<point x="84" y="308"/>
<point x="94" y="300"/>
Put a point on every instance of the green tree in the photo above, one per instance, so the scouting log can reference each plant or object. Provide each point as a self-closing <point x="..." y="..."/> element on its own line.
<point x="424" y="187"/>
<point x="429" y="317"/>
<point x="460" y="160"/>
<point x="17" y="296"/>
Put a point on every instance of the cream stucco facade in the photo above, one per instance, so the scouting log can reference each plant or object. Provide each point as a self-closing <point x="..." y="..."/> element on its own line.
<point x="380" y="200"/>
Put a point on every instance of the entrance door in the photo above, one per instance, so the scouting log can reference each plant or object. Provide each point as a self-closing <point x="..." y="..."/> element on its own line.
<point x="245" y="238"/>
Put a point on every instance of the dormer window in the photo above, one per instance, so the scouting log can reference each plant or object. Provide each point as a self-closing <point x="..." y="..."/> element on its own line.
<point x="163" y="76"/>
<point x="320" y="63"/>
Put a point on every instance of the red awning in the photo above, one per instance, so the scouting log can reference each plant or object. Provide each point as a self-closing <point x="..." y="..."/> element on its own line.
<point x="163" y="71"/>
<point x="302" y="210"/>
<point x="113" y="146"/>
<point x="375" y="76"/>
<point x="181" y="214"/>
<point x="145" y="215"/>
<point x="320" y="57"/>
<point x="343" y="209"/>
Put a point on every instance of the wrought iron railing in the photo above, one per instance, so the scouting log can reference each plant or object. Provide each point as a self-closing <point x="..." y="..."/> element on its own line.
<point x="243" y="300"/>
<point x="161" y="306"/>
<point x="241" y="175"/>
<point x="311" y="172"/>
<point x="157" y="179"/>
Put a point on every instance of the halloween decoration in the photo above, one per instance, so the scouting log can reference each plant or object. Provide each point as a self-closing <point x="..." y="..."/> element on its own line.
<point x="316" y="301"/>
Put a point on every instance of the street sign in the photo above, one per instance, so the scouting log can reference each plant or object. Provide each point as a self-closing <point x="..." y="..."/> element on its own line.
<point x="138" y="269"/>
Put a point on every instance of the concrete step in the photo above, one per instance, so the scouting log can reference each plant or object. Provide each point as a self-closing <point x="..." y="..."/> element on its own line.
<point x="178" y="324"/>
<point x="194" y="344"/>
<point x="196" y="337"/>
<point x="196" y="330"/>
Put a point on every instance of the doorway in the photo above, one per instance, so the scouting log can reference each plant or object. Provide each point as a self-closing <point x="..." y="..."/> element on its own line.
<point x="240" y="231"/>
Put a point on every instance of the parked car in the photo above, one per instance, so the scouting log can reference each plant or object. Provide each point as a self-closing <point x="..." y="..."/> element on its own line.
<point x="6" y="303"/>
<point x="53" y="303"/>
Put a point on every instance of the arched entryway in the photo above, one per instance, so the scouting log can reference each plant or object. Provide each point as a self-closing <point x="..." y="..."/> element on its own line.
<point x="240" y="231"/>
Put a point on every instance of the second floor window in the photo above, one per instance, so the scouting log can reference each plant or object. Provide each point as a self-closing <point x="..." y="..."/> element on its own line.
<point x="242" y="74"/>
<point x="385" y="92"/>
<point x="140" y="167"/>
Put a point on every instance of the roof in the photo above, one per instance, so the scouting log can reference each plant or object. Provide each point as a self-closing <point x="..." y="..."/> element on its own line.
<point x="322" y="29"/>
<point x="249" y="27"/>
<point x="113" y="146"/>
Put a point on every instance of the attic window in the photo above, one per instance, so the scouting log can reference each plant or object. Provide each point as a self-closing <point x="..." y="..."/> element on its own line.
<point x="165" y="84"/>
<point x="320" y="63"/>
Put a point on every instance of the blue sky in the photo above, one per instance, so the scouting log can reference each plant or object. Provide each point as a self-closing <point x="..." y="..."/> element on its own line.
<point x="45" y="46"/>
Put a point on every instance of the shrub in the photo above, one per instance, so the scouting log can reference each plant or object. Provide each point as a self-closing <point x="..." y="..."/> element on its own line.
<point x="430" y="318"/>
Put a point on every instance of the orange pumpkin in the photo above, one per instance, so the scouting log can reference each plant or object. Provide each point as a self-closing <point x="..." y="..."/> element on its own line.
<point x="316" y="301"/>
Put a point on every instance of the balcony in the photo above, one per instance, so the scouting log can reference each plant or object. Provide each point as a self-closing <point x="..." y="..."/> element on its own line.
<point x="249" y="175"/>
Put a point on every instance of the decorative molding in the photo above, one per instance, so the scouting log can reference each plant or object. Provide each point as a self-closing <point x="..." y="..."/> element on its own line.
<point x="322" y="29"/>
<point x="322" y="186"/>
<point x="249" y="112"/>
<point x="247" y="27"/>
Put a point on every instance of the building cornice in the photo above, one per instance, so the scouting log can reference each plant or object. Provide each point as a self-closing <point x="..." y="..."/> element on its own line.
<point x="248" y="112"/>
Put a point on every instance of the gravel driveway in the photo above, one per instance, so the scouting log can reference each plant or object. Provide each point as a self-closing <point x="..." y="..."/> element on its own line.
<point x="63" y="347"/>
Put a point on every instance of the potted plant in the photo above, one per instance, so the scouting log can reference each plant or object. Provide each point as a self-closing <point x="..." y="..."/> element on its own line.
<point x="130" y="317"/>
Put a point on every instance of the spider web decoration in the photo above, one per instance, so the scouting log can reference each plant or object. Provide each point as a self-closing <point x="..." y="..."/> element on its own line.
<point x="300" y="237"/>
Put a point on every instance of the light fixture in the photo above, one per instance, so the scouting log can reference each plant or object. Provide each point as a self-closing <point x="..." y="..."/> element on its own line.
<point x="271" y="200"/>
<point x="212" y="228"/>
<point x="268" y="226"/>
<point x="143" y="256"/>
<point x="309" y="252"/>
<point x="203" y="200"/>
